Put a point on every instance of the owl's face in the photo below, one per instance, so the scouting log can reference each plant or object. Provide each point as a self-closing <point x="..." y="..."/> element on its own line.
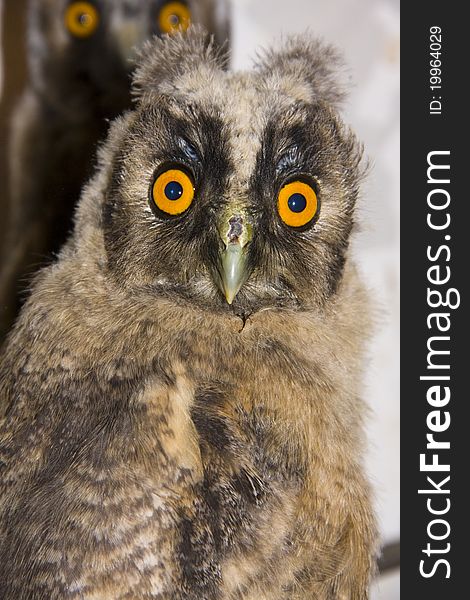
<point x="233" y="191"/>
<point x="85" y="50"/>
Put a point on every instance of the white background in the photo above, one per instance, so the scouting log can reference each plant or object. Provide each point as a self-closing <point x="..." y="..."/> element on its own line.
<point x="368" y="33"/>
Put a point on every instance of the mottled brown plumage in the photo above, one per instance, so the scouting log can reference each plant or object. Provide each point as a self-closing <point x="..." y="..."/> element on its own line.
<point x="158" y="442"/>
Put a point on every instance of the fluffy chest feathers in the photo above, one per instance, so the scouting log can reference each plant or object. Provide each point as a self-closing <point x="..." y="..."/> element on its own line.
<point x="189" y="457"/>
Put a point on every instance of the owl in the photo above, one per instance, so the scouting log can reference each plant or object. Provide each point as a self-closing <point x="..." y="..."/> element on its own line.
<point x="80" y="59"/>
<point x="181" y="394"/>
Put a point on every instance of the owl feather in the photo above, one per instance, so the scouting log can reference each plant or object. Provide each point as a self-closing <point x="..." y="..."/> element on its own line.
<point x="181" y="394"/>
<point x="80" y="56"/>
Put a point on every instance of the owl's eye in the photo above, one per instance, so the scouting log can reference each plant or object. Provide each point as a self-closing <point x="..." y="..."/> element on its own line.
<point x="82" y="19"/>
<point x="297" y="203"/>
<point x="174" y="16"/>
<point x="173" y="191"/>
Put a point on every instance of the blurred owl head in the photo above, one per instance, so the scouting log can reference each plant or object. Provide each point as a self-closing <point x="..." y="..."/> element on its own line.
<point x="83" y="51"/>
<point x="232" y="191"/>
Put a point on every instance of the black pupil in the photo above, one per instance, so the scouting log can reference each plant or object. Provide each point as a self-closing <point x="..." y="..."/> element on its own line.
<point x="173" y="190"/>
<point x="84" y="19"/>
<point x="297" y="203"/>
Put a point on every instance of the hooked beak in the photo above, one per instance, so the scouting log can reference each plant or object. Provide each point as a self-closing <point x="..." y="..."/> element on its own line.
<point x="236" y="233"/>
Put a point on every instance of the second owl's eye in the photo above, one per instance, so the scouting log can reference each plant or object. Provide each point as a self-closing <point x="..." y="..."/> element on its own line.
<point x="298" y="203"/>
<point x="172" y="191"/>
<point x="174" y="16"/>
<point x="82" y="19"/>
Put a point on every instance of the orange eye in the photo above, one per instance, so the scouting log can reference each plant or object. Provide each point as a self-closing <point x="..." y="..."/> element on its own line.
<point x="173" y="191"/>
<point x="82" y="19"/>
<point x="297" y="203"/>
<point x="174" y="16"/>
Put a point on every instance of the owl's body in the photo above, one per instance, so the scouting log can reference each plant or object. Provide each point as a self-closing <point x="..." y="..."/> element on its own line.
<point x="77" y="83"/>
<point x="161" y="440"/>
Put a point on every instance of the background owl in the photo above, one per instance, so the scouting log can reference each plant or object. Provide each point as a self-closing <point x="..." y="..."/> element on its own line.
<point x="181" y="392"/>
<point x="80" y="58"/>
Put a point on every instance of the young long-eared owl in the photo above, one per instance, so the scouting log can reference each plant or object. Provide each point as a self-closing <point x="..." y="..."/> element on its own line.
<point x="182" y="390"/>
<point x="80" y="58"/>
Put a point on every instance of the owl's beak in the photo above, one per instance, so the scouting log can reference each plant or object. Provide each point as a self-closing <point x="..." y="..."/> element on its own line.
<point x="236" y="235"/>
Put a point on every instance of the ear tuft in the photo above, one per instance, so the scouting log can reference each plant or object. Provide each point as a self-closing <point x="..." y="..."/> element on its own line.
<point x="303" y="58"/>
<point x="168" y="57"/>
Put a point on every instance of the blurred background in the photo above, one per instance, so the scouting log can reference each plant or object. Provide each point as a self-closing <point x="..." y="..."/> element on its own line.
<point x="367" y="31"/>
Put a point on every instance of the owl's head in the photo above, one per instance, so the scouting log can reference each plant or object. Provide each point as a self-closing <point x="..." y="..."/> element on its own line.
<point x="232" y="191"/>
<point x="83" y="51"/>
